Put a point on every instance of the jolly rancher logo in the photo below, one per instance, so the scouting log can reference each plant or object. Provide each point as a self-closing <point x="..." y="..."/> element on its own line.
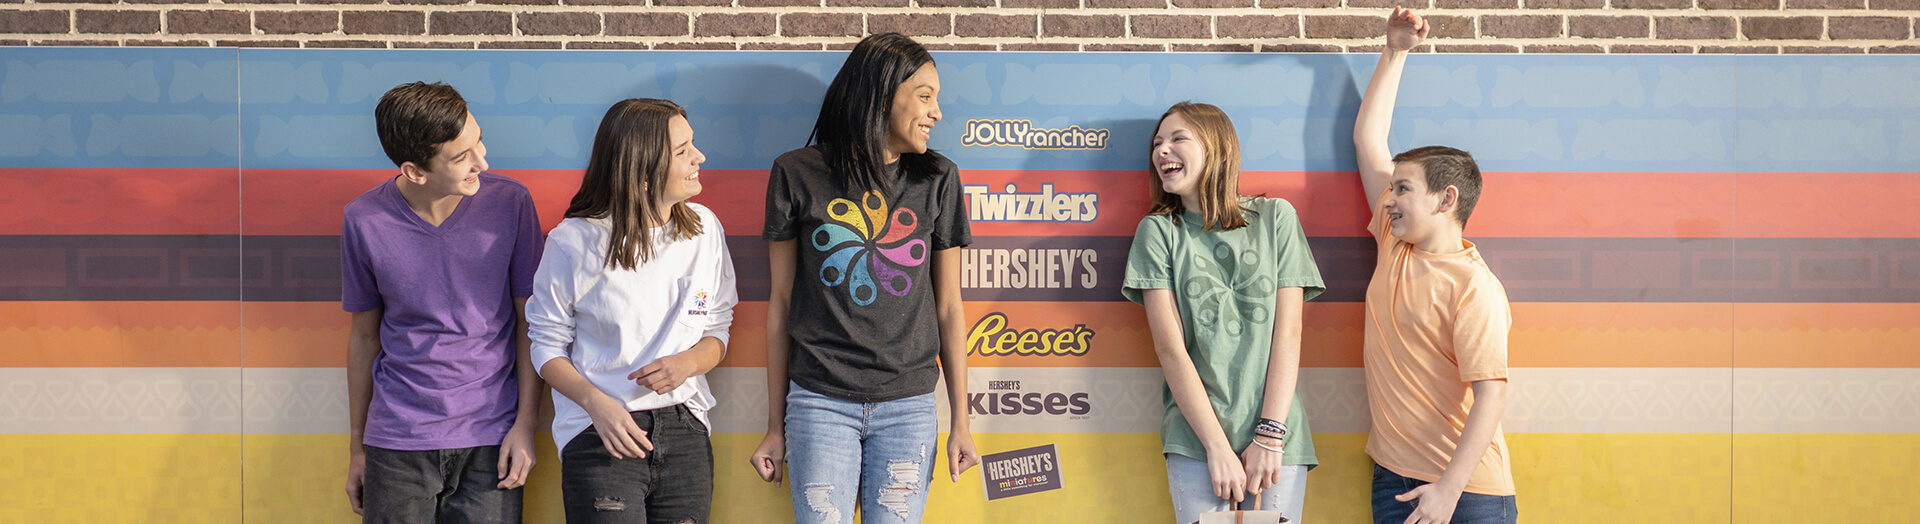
<point x="990" y="336"/>
<point x="1022" y="133"/>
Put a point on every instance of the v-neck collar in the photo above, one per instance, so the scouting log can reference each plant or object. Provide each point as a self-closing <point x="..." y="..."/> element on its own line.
<point x="413" y="217"/>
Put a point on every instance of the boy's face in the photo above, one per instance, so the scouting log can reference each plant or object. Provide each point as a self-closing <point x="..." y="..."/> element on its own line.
<point x="455" y="169"/>
<point x="1414" y="211"/>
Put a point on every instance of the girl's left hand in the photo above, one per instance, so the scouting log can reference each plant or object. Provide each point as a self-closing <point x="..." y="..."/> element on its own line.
<point x="960" y="453"/>
<point x="1263" y="467"/>
<point x="666" y="374"/>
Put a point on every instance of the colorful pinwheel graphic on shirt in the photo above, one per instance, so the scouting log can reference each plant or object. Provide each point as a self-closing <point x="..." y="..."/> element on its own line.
<point x="864" y="247"/>
<point x="1226" y="292"/>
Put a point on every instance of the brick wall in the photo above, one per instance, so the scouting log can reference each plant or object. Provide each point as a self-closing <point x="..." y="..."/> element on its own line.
<point x="1483" y="26"/>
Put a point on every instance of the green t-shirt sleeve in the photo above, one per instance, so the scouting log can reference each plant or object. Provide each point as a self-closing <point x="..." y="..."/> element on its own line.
<point x="1293" y="265"/>
<point x="1148" y="262"/>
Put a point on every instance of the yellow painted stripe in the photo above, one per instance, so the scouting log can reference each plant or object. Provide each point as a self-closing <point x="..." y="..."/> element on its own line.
<point x="120" y="478"/>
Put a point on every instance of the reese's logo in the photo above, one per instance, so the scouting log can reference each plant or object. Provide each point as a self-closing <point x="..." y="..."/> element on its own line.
<point x="1022" y="133"/>
<point x="991" y="336"/>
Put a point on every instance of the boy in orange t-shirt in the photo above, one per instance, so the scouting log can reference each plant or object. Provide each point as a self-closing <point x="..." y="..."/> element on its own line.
<point x="1436" y="327"/>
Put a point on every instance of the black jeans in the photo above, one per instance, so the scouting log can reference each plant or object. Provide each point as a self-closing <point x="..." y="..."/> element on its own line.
<point x="672" y="485"/>
<point x="449" y="486"/>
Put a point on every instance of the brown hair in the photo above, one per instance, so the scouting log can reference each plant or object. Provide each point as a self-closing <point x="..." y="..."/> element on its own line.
<point x="1219" y="183"/>
<point x="1445" y="166"/>
<point x="625" y="174"/>
<point x="414" y="119"/>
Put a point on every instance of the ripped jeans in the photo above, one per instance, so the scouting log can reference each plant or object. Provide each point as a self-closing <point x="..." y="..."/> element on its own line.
<point x="883" y="453"/>
<point x="672" y="485"/>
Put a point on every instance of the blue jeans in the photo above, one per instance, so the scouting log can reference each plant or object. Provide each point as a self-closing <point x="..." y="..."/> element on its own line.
<point x="1192" y="488"/>
<point x="881" y="453"/>
<point x="1473" y="508"/>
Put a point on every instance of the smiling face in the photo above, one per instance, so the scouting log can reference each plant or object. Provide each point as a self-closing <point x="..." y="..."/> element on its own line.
<point x="1178" y="157"/>
<point x="683" y="164"/>
<point x="455" y="168"/>
<point x="915" y="109"/>
<point x="1414" y="212"/>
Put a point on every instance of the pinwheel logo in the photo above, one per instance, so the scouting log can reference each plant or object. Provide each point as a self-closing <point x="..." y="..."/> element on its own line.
<point x="700" y="299"/>
<point x="865" y="248"/>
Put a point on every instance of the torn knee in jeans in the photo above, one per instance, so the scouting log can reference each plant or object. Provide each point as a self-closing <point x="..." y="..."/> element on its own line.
<point x="609" y="504"/>
<point x="905" y="482"/>
<point x="820" y="500"/>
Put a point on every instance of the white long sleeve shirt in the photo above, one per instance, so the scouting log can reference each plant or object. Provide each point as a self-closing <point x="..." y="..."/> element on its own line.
<point x="611" y="322"/>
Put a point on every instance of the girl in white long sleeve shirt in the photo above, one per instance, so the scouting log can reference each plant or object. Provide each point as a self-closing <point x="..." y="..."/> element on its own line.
<point x="627" y="343"/>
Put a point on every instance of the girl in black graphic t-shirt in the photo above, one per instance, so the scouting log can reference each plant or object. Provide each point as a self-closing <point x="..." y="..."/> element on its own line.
<point x="864" y="230"/>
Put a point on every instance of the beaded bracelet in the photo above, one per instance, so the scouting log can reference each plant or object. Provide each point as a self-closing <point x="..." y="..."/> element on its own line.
<point x="1270" y="428"/>
<point x="1276" y="447"/>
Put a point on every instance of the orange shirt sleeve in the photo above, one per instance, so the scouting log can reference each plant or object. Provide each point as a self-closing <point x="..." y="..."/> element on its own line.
<point x="1480" y="327"/>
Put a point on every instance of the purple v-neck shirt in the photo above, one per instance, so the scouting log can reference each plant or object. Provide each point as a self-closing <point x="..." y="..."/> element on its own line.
<point x="444" y="378"/>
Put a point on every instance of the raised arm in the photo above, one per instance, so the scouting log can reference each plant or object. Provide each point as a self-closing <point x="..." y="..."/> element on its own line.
<point x="1404" y="31"/>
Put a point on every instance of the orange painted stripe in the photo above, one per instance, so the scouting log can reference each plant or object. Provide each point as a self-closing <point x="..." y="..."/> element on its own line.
<point x="313" y="334"/>
<point x="164" y="201"/>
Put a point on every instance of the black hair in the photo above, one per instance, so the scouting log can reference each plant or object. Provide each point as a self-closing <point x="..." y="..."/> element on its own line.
<point x="852" y="129"/>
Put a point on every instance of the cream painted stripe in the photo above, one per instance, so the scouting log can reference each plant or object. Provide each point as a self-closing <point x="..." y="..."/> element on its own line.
<point x="1115" y="400"/>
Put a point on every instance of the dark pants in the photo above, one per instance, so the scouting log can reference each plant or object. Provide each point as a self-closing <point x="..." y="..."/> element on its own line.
<point x="1473" y="508"/>
<point x="448" y="486"/>
<point x="672" y="485"/>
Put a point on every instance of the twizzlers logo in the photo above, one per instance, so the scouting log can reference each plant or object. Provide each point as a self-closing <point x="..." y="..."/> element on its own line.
<point x="993" y="132"/>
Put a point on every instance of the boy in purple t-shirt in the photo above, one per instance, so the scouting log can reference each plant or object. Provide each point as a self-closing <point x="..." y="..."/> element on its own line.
<point x="437" y="264"/>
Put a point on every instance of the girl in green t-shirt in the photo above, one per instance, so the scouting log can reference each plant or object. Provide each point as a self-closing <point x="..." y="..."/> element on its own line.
<point x="1223" y="277"/>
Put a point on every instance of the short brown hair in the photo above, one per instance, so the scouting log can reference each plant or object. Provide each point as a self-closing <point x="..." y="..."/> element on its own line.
<point x="1446" y="166"/>
<point x="1219" y="183"/>
<point x="414" y="119"/>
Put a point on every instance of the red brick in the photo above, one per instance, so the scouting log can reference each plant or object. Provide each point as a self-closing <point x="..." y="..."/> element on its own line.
<point x="1901" y="5"/>
<point x="911" y="24"/>
<point x="78" y="2"/>
<point x="606" y="45"/>
<point x="1286" y="4"/>
<point x="1038" y="4"/>
<point x="76" y="43"/>
<point x="1896" y="50"/>
<point x="1257" y="26"/>
<point x="296" y="22"/>
<point x="1384" y="4"/>
<point x="1740" y="49"/>
<point x="1476" y="4"/>
<point x="1009" y="26"/>
<point x="428" y="2"/>
<point x="693" y="46"/>
<point x="1126" y="48"/>
<point x="1822" y="50"/>
<point x="1126" y="4"/>
<point x="1520" y="26"/>
<point x="402" y="44"/>
<point x="743" y="24"/>
<point x="344" y="44"/>
<point x="1650" y="49"/>
<point x="1567" y="4"/>
<point x="674" y="3"/>
<point x="819" y="24"/>
<point x="229" y="22"/>
<point x="1695" y="28"/>
<point x="1543" y="49"/>
<point x="1083" y="26"/>
<point x="519" y="44"/>
<point x="1375" y="48"/>
<point x="647" y="24"/>
<point x="1172" y="26"/>
<point x="518" y="2"/>
<point x="1868" y="28"/>
<point x="1441" y="26"/>
<point x="1212" y="48"/>
<point x="1299" y="48"/>
<point x="1652" y="4"/>
<point x="1475" y="48"/>
<point x="1608" y="26"/>
<point x="965" y="3"/>
<point x="1028" y="46"/>
<point x="775" y="3"/>
<point x="383" y="23"/>
<point x="164" y="1"/>
<point x="257" y="43"/>
<point x="778" y="46"/>
<point x="1826" y="4"/>
<point x="308" y="2"/>
<point x="139" y="22"/>
<point x="867" y="3"/>
<point x="1346" y="26"/>
<point x="1782" y="28"/>
<point x="165" y="43"/>
<point x="958" y="47"/>
<point x="1212" y="4"/>
<point x="1739" y="4"/>
<point x="470" y="23"/>
<point x="563" y="24"/>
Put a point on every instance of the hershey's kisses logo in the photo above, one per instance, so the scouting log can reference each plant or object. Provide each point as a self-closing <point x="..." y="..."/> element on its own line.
<point x="993" y="132"/>
<point x="1003" y="397"/>
<point x="992" y="337"/>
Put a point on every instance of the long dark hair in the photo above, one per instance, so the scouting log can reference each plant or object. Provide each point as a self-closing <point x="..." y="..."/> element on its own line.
<point x="625" y="176"/>
<point x="852" y="128"/>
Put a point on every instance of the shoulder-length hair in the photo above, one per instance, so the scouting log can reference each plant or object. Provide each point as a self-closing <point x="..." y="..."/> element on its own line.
<point x="852" y="129"/>
<point x="1218" y="188"/>
<point x="624" y="178"/>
